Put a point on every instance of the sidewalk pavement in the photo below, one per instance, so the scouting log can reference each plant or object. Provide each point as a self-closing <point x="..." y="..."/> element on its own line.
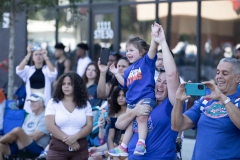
<point x="187" y="148"/>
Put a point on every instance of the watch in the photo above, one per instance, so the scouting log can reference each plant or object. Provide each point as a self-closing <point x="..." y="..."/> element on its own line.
<point x="103" y="154"/>
<point x="227" y="100"/>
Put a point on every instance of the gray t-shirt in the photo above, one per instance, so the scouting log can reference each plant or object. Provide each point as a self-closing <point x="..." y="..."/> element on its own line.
<point x="37" y="122"/>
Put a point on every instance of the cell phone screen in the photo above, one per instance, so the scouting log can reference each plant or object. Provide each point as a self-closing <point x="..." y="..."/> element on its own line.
<point x="104" y="56"/>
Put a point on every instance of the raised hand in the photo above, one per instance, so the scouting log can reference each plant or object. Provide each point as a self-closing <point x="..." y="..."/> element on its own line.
<point x="45" y="53"/>
<point x="155" y="28"/>
<point x="29" y="49"/>
<point x="113" y="69"/>
<point x="102" y="67"/>
<point x="160" y="37"/>
<point x="181" y="93"/>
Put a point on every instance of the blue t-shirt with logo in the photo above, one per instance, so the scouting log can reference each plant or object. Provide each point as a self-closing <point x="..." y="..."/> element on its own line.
<point x="217" y="136"/>
<point x="139" y="79"/>
<point x="161" y="139"/>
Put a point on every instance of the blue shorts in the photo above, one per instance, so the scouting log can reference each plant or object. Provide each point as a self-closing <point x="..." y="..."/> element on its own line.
<point x="33" y="148"/>
<point x="148" y="101"/>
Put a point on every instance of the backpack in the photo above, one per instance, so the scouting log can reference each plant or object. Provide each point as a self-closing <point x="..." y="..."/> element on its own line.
<point x="12" y="117"/>
<point x="92" y="138"/>
<point x="21" y="96"/>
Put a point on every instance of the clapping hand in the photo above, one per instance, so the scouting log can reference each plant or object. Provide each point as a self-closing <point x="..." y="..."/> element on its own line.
<point x="113" y="69"/>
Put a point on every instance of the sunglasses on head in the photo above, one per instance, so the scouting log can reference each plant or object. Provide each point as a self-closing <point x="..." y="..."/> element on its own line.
<point x="35" y="96"/>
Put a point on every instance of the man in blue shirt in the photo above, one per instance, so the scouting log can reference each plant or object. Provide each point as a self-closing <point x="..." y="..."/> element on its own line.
<point x="216" y="115"/>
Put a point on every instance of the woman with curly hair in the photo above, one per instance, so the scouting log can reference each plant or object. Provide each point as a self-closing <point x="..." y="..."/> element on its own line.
<point x="91" y="77"/>
<point x="69" y="119"/>
<point x="117" y="107"/>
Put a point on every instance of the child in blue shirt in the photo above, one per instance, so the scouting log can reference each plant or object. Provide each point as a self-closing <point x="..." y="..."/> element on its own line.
<point x="139" y="79"/>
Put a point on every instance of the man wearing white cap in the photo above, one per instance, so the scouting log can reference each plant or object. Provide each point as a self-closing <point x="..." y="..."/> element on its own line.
<point x="33" y="136"/>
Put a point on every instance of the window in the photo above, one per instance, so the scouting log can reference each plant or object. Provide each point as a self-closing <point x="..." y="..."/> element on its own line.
<point x="135" y="22"/>
<point x="220" y="34"/>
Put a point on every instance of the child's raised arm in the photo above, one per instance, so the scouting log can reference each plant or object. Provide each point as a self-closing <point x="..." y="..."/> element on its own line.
<point x="119" y="77"/>
<point x="153" y="46"/>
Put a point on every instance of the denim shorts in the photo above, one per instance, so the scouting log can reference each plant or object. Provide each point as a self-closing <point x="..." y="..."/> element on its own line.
<point x="148" y="101"/>
<point x="33" y="148"/>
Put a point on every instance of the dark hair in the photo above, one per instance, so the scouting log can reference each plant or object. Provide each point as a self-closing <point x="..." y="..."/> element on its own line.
<point x="59" y="46"/>
<point x="32" y="62"/>
<point x="85" y="79"/>
<point x="238" y="49"/>
<point x="80" y="94"/>
<point x="83" y="46"/>
<point x="114" y="107"/>
<point x="126" y="59"/>
<point x="139" y="43"/>
<point x="116" y="54"/>
<point x="160" y="51"/>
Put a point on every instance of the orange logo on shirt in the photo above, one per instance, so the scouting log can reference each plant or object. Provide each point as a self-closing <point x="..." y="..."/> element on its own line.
<point x="135" y="74"/>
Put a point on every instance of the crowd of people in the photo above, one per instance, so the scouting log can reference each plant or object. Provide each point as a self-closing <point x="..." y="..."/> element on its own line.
<point x="133" y="108"/>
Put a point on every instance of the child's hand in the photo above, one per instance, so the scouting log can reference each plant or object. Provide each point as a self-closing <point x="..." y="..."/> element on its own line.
<point x="160" y="37"/>
<point x="113" y="69"/>
<point x="155" y="28"/>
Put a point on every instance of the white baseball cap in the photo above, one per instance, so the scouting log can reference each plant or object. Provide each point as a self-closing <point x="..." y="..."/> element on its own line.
<point x="36" y="97"/>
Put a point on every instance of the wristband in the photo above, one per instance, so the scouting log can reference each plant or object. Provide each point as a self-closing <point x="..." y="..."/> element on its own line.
<point x="226" y="101"/>
<point x="46" y="58"/>
<point x="103" y="154"/>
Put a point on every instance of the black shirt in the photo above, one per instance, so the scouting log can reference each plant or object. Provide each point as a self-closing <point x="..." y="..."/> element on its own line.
<point x="60" y="68"/>
<point x="37" y="80"/>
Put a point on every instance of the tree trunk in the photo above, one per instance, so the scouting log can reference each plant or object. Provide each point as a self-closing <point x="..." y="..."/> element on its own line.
<point x="11" y="69"/>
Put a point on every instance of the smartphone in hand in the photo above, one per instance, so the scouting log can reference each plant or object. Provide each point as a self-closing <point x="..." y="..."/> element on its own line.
<point x="195" y="89"/>
<point x="105" y="52"/>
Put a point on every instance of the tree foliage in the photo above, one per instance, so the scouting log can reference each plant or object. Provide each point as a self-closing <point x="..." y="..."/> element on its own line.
<point x="18" y="6"/>
<point x="15" y="7"/>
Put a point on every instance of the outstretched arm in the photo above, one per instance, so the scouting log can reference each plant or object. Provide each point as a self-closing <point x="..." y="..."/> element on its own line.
<point x="103" y="88"/>
<point x="169" y="65"/>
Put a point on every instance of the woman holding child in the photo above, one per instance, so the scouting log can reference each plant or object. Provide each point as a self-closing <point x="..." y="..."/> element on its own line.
<point x="160" y="140"/>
